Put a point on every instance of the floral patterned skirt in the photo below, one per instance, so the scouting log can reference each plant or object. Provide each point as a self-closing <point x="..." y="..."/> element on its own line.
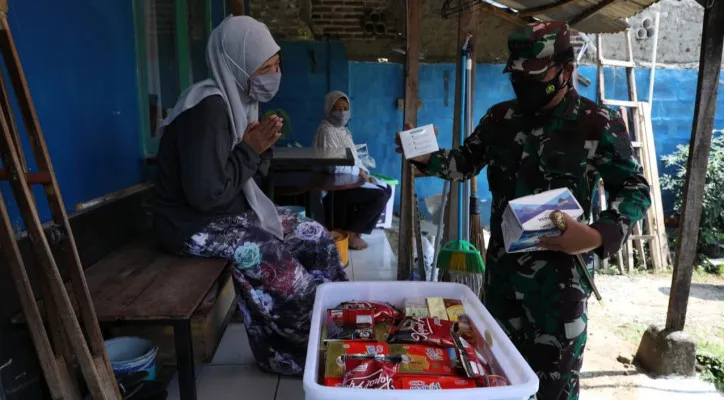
<point x="275" y="280"/>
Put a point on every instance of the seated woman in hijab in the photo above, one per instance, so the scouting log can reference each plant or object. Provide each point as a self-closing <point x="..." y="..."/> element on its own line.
<point x="208" y="203"/>
<point x="358" y="209"/>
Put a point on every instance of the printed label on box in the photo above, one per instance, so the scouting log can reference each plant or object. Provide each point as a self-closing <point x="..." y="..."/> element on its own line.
<point x="527" y="219"/>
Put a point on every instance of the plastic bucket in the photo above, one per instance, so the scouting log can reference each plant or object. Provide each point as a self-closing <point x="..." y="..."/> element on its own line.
<point x="341" y="239"/>
<point x="300" y="210"/>
<point x="132" y="354"/>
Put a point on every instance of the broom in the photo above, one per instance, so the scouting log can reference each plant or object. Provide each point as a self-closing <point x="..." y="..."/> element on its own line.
<point x="459" y="258"/>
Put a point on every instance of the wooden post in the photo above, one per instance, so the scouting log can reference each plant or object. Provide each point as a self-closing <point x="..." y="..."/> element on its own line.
<point x="236" y="7"/>
<point x="412" y="69"/>
<point x="467" y="24"/>
<point x="706" y="95"/>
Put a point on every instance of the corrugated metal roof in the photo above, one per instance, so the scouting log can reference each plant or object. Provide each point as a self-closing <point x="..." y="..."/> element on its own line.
<point x="609" y="17"/>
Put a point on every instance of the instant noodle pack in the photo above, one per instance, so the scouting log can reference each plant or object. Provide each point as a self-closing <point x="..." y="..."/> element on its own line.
<point x="412" y="343"/>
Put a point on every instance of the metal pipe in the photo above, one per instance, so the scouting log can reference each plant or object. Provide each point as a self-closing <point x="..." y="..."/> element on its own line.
<point x="652" y="73"/>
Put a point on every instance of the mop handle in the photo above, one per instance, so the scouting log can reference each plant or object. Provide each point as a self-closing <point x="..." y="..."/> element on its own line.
<point x="462" y="141"/>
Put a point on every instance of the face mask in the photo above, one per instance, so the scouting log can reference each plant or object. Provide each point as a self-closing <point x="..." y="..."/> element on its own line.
<point x="533" y="95"/>
<point x="263" y="88"/>
<point x="339" y="118"/>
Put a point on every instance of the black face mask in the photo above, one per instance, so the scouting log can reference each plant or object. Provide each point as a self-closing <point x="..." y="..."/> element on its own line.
<point x="533" y="95"/>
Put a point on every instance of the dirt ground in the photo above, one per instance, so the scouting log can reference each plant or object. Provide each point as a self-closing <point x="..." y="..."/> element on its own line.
<point x="631" y="304"/>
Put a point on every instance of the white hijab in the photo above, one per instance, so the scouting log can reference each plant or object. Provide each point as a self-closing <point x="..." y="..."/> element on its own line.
<point x="236" y="48"/>
<point x="330" y="136"/>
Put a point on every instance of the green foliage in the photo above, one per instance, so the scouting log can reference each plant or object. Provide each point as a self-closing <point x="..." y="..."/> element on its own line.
<point x="712" y="369"/>
<point x="712" y="217"/>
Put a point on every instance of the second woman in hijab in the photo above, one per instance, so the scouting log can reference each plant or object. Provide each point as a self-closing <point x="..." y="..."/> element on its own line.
<point x="208" y="202"/>
<point x="358" y="209"/>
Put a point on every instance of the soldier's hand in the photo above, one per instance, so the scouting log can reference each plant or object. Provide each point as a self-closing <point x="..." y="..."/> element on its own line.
<point x="578" y="238"/>
<point x="421" y="159"/>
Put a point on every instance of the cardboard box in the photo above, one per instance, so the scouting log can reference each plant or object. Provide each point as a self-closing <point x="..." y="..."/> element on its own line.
<point x="208" y="325"/>
<point x="527" y="219"/>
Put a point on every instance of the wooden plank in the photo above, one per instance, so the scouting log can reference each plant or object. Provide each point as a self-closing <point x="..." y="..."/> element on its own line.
<point x="117" y="280"/>
<point x="412" y="72"/>
<point x="58" y="386"/>
<point x="95" y="344"/>
<point x="618" y="63"/>
<point x="706" y="95"/>
<point x="533" y="11"/>
<point x="177" y="292"/>
<point x="657" y="206"/>
<point x="652" y="226"/>
<point x="589" y="12"/>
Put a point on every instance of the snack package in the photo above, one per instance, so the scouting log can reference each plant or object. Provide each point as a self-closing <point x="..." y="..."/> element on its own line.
<point x="471" y="361"/>
<point x="333" y="382"/>
<point x="370" y="372"/>
<point x="336" y="351"/>
<point x="426" y="382"/>
<point x="436" y="308"/>
<point x="416" y="308"/>
<point x="424" y="360"/>
<point x="492" y="381"/>
<point x="350" y="324"/>
<point x="454" y="309"/>
<point x="382" y="311"/>
<point x="427" y="331"/>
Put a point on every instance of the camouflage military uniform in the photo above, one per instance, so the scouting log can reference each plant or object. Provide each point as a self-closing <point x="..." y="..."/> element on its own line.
<point x="539" y="298"/>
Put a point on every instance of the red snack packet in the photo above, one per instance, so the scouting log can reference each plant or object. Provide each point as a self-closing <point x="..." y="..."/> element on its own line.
<point x="429" y="331"/>
<point x="492" y="381"/>
<point x="333" y="382"/>
<point x="426" y="382"/>
<point x="350" y="324"/>
<point x="418" y="359"/>
<point x="472" y="362"/>
<point x="370" y="372"/>
<point x="383" y="311"/>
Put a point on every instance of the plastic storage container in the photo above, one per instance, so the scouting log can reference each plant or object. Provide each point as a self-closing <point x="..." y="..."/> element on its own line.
<point x="508" y="360"/>
<point x="385" y="221"/>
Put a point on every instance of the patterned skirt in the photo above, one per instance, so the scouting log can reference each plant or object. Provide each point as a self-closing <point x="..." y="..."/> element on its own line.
<point x="275" y="280"/>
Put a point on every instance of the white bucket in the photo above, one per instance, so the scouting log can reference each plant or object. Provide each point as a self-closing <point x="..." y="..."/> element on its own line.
<point x="508" y="360"/>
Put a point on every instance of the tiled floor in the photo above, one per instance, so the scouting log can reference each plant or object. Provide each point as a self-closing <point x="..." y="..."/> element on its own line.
<point x="232" y="373"/>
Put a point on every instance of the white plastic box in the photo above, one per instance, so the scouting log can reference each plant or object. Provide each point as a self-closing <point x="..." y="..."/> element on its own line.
<point x="508" y="360"/>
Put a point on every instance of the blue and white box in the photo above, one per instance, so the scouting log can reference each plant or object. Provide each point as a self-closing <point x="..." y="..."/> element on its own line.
<point x="526" y="219"/>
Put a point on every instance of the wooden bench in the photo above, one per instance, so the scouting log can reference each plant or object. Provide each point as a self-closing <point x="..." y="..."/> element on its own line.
<point x="138" y="284"/>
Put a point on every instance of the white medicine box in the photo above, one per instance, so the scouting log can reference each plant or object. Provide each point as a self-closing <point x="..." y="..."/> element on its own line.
<point x="526" y="219"/>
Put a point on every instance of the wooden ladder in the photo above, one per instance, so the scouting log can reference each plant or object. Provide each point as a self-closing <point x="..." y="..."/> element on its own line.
<point x="71" y="337"/>
<point x="637" y="117"/>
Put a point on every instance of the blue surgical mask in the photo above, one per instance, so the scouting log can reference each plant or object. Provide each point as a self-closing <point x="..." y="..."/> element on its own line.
<point x="263" y="88"/>
<point x="339" y="118"/>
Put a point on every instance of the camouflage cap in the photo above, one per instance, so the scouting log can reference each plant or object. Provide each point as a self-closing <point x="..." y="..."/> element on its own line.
<point x="534" y="46"/>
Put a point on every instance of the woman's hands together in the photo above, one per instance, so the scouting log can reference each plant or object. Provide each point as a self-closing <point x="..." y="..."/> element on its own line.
<point x="261" y="136"/>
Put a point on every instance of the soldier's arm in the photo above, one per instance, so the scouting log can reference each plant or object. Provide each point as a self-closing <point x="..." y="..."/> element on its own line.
<point x="464" y="162"/>
<point x="628" y="192"/>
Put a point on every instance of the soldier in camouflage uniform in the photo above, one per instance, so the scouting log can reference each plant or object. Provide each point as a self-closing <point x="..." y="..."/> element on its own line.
<point x="548" y="137"/>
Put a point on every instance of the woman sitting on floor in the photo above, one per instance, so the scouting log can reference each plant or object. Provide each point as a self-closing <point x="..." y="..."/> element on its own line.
<point x="209" y="204"/>
<point x="358" y="209"/>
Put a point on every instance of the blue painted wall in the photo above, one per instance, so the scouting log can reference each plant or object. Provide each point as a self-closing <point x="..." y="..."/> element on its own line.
<point x="374" y="89"/>
<point x="310" y="70"/>
<point x="80" y="63"/>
